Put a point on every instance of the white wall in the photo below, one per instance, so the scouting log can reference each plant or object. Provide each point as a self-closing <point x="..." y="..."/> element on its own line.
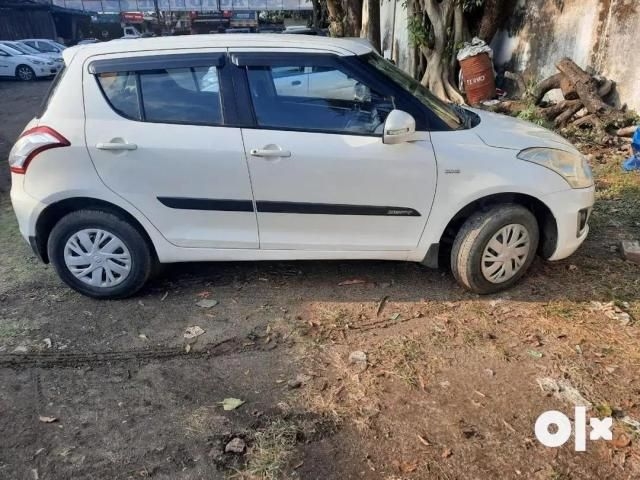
<point x="602" y="34"/>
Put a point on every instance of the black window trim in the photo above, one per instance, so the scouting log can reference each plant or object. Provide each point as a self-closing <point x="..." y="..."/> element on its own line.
<point x="244" y="60"/>
<point x="229" y="105"/>
<point x="156" y="62"/>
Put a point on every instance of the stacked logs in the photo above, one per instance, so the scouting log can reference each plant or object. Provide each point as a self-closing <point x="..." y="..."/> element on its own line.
<point x="583" y="105"/>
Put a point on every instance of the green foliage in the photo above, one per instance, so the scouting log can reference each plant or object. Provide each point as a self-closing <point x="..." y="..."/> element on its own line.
<point x="418" y="33"/>
<point x="530" y="114"/>
<point x="471" y="5"/>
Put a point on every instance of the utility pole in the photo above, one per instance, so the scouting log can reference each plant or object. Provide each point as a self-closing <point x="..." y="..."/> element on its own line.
<point x="157" y="8"/>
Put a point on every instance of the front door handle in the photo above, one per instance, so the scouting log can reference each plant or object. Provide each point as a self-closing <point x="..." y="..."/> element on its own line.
<point x="270" y="153"/>
<point x="115" y="146"/>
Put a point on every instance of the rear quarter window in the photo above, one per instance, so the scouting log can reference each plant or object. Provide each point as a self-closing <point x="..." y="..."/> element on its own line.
<point x="189" y="95"/>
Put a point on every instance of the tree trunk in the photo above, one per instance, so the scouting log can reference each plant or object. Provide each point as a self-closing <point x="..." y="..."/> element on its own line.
<point x="371" y="23"/>
<point x="494" y="12"/>
<point x="353" y="10"/>
<point x="438" y="75"/>
<point x="586" y="86"/>
<point x="317" y="14"/>
<point x="336" y="18"/>
<point x="544" y="86"/>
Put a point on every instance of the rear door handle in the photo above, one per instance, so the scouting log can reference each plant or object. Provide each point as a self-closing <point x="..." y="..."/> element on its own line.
<point x="114" y="146"/>
<point x="269" y="153"/>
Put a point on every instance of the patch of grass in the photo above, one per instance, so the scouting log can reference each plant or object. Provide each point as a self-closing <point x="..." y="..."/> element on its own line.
<point x="9" y="330"/>
<point x="16" y="260"/>
<point x="271" y="450"/>
<point x="405" y="356"/>
<point x="530" y="114"/>
<point x="561" y="309"/>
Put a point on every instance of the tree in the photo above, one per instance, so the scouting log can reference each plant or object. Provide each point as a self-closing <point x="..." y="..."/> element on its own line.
<point x="371" y="23"/>
<point x="438" y="28"/>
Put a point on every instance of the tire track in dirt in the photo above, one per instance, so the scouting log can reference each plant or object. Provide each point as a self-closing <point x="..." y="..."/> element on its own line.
<point x="74" y="359"/>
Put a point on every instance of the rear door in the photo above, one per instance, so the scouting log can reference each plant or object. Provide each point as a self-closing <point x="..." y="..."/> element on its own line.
<point x="321" y="176"/>
<point x="158" y="131"/>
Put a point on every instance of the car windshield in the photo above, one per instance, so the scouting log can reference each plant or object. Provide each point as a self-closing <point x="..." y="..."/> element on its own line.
<point x="21" y="48"/>
<point x="443" y="110"/>
<point x="11" y="50"/>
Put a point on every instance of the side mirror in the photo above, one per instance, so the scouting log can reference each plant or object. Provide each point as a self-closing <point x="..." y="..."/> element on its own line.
<point x="399" y="127"/>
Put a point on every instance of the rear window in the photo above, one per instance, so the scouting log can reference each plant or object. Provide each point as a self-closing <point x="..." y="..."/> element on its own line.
<point x="51" y="92"/>
<point x="189" y="95"/>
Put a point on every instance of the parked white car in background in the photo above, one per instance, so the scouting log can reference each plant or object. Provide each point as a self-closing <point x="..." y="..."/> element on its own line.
<point x="27" y="50"/>
<point x="277" y="147"/>
<point x="14" y="63"/>
<point x="44" y="45"/>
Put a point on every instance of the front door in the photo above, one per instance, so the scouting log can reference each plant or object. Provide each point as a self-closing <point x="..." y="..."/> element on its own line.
<point x="156" y="131"/>
<point x="322" y="178"/>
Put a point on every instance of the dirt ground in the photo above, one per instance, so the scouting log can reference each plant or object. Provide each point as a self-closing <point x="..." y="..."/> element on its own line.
<point x="450" y="388"/>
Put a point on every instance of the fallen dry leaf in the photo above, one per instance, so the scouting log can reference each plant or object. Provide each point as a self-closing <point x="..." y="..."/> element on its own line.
<point x="44" y="419"/>
<point x="231" y="403"/>
<point x="207" y="303"/>
<point x="193" y="332"/>
<point x="406" y="467"/>
<point x="621" y="441"/>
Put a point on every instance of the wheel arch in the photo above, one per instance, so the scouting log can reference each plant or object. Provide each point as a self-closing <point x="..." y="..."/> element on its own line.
<point x="54" y="212"/>
<point x="544" y="216"/>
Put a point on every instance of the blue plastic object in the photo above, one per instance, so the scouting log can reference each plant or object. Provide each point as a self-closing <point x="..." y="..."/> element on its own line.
<point x="634" y="162"/>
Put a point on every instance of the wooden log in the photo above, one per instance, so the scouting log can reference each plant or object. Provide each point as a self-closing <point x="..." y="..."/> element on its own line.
<point x="553" y="111"/>
<point x="586" y="86"/>
<point x="544" y="86"/>
<point x="627" y="131"/>
<point x="568" y="88"/>
<point x="565" y="116"/>
<point x="605" y="88"/>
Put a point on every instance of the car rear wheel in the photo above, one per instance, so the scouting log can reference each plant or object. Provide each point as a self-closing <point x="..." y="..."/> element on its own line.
<point x="25" y="73"/>
<point x="495" y="248"/>
<point x="100" y="254"/>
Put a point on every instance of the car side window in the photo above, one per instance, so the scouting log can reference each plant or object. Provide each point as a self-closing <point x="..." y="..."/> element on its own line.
<point x="189" y="95"/>
<point x="316" y="98"/>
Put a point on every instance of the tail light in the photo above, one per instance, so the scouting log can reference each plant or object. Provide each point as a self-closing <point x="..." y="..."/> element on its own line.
<point x="31" y="143"/>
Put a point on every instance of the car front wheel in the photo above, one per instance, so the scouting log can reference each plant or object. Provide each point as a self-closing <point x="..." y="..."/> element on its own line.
<point x="495" y="248"/>
<point x="100" y="254"/>
<point x="25" y="73"/>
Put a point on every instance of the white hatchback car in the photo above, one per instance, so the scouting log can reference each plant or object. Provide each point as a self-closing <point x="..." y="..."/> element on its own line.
<point x="272" y="147"/>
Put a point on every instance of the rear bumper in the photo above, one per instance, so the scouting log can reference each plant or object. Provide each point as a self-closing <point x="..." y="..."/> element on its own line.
<point x="26" y="208"/>
<point x="566" y="207"/>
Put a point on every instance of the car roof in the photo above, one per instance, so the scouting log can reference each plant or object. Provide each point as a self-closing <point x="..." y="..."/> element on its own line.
<point x="339" y="46"/>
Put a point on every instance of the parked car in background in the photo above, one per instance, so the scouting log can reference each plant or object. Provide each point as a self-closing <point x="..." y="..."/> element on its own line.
<point x="14" y="63"/>
<point x="87" y="41"/>
<point x="299" y="30"/>
<point x="27" y="50"/>
<point x="264" y="147"/>
<point x="44" y="45"/>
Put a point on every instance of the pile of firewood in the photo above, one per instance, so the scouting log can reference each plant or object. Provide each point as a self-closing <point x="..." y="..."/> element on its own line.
<point x="584" y="105"/>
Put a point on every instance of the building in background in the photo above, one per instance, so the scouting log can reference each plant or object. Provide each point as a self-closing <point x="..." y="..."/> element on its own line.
<point x="36" y="19"/>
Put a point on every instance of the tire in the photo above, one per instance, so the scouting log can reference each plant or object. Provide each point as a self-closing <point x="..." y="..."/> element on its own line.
<point x="25" y="73"/>
<point x="116" y="255"/>
<point x="500" y="223"/>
